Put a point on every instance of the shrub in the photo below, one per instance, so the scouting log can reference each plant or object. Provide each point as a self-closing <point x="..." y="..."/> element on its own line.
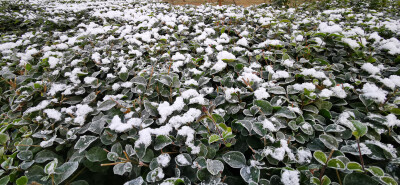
<point x="149" y="93"/>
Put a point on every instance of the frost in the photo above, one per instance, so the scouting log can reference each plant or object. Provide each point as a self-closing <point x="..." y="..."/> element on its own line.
<point x="182" y="160"/>
<point x="81" y="112"/>
<point x="338" y="91"/>
<point x="269" y="125"/>
<point x="391" y="120"/>
<point x="304" y="156"/>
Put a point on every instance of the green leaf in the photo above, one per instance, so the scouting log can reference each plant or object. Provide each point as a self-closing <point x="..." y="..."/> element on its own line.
<point x="376" y="171"/>
<point x="355" y="166"/>
<point x="329" y="141"/>
<point x="214" y="166"/>
<point x="320" y="156"/>
<point x="361" y="129"/>
<point x="234" y="159"/>
<point x="218" y="119"/>
<point x="214" y="138"/>
<point x="4" y="180"/>
<point x="325" y="113"/>
<point x="106" y="105"/>
<point x="286" y="113"/>
<point x="358" y="178"/>
<point x="123" y="76"/>
<point x="388" y="180"/>
<point x="395" y="111"/>
<point x="336" y="164"/>
<point x="64" y="171"/>
<point x="22" y="180"/>
<point x="265" y="106"/>
<point x="4" y="138"/>
<point x="161" y="141"/>
<point x="96" y="154"/>
<point x="325" y="180"/>
<point x="84" y="142"/>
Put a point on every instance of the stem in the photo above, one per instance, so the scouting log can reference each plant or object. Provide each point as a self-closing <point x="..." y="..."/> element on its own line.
<point x="359" y="151"/>
<point x="337" y="173"/>
<point x="323" y="169"/>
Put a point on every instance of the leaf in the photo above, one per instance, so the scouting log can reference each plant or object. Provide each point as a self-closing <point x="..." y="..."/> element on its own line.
<point x="51" y="167"/>
<point x="24" y="144"/>
<point x="64" y="171"/>
<point x="234" y="159"/>
<point x="161" y="141"/>
<point x="155" y="175"/>
<point x="336" y="164"/>
<point x="329" y="141"/>
<point x="122" y="168"/>
<point x="4" y="180"/>
<point x="388" y="180"/>
<point x="45" y="155"/>
<point x="286" y="113"/>
<point x="355" y="166"/>
<point x="137" y="181"/>
<point x="361" y="129"/>
<point x="183" y="159"/>
<point x="250" y="173"/>
<point x="358" y="178"/>
<point x="320" y="157"/>
<point x="214" y="166"/>
<point x="218" y="118"/>
<point x="277" y="90"/>
<point x="325" y="180"/>
<point x="376" y="171"/>
<point x="96" y="154"/>
<point x="21" y="181"/>
<point x="106" y="105"/>
<point x="265" y="106"/>
<point x="84" y="142"/>
<point x="325" y="113"/>
<point x="214" y="138"/>
<point x="395" y="111"/>
<point x="4" y="138"/>
<point x="123" y="76"/>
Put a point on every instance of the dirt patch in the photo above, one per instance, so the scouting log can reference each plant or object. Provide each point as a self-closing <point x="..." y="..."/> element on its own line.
<point x="245" y="3"/>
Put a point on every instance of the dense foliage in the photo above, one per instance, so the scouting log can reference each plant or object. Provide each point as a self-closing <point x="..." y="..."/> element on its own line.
<point x="95" y="92"/>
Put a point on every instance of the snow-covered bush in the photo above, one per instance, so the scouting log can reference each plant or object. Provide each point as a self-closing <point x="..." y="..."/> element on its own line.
<point x="131" y="92"/>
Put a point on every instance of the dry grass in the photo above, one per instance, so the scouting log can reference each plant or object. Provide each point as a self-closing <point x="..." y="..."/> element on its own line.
<point x="245" y="3"/>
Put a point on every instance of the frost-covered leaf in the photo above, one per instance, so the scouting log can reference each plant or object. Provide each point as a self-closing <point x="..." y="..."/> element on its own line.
<point x="358" y="178"/>
<point x="336" y="164"/>
<point x="250" y="173"/>
<point x="183" y="159"/>
<point x="64" y="171"/>
<point x="84" y="142"/>
<point x="329" y="141"/>
<point x="320" y="156"/>
<point x="234" y="159"/>
<point x="155" y="175"/>
<point x="214" y="166"/>
<point x="96" y="154"/>
<point x="354" y="166"/>
<point x="121" y="168"/>
<point x="161" y="141"/>
<point x="106" y="105"/>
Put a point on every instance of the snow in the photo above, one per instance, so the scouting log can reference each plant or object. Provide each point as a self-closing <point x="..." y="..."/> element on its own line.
<point x="343" y="119"/>
<point x="53" y="113"/>
<point x="242" y="42"/>
<point x="56" y="87"/>
<point x="43" y="104"/>
<point x="268" y="125"/>
<point x="261" y="93"/>
<point x="395" y="79"/>
<point x="178" y="56"/>
<point x="304" y="156"/>
<point x="230" y="91"/>
<point x="352" y="43"/>
<point x="325" y="28"/>
<point x="288" y="63"/>
<point x="191" y="82"/>
<point x="338" y="91"/>
<point x="280" y="74"/>
<point x="392" y="45"/>
<point x="307" y="85"/>
<point x="81" y="112"/>
<point x="391" y="120"/>
<point x="118" y="126"/>
<point x="269" y="42"/>
<point x="189" y="133"/>
<point x="290" y="177"/>
<point x="326" y="93"/>
<point x="163" y="160"/>
<point x="312" y="72"/>
<point x="219" y="66"/>
<point x="190" y="116"/>
<point x="225" y="55"/>
<point x="373" y="92"/>
<point x="165" y="109"/>
<point x="371" y="69"/>
<point x="182" y="160"/>
<point x="53" y="62"/>
<point x="89" y="80"/>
